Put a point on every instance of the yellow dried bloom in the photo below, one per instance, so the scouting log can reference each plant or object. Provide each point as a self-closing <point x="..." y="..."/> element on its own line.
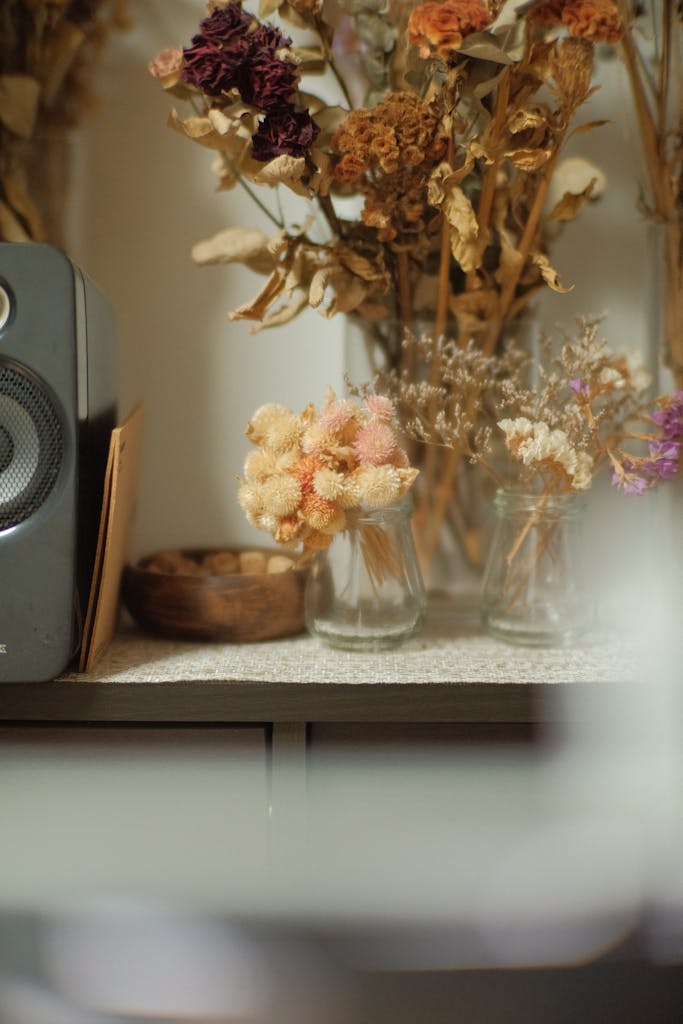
<point x="378" y="485"/>
<point x="316" y="439"/>
<point x="263" y="419"/>
<point x="283" y="433"/>
<point x="329" y="484"/>
<point x="250" y="498"/>
<point x="259" y="465"/>
<point x="281" y="494"/>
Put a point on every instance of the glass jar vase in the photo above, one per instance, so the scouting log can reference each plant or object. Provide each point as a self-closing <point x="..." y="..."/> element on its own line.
<point x="365" y="592"/>
<point x="534" y="589"/>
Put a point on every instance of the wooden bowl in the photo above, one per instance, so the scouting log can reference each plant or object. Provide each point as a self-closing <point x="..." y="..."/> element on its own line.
<point x="174" y="594"/>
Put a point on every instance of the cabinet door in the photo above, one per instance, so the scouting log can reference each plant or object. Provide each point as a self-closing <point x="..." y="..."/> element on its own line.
<point x="92" y="812"/>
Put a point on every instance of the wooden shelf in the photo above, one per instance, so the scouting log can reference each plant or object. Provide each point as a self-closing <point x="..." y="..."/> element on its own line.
<point x="449" y="674"/>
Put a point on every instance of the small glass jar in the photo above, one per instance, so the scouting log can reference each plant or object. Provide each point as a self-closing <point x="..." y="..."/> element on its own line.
<point x="534" y="588"/>
<point x="365" y="592"/>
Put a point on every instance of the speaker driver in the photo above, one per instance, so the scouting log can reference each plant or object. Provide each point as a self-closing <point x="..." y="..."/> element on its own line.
<point x="31" y="447"/>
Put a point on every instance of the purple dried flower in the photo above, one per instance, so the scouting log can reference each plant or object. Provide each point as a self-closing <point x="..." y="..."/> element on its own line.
<point x="664" y="464"/>
<point x="578" y="386"/>
<point x="285" y="131"/>
<point x="670" y="418"/>
<point x="267" y="82"/>
<point x="629" y="482"/>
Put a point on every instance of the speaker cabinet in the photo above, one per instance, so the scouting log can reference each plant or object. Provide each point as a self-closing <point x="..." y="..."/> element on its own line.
<point x="57" y="411"/>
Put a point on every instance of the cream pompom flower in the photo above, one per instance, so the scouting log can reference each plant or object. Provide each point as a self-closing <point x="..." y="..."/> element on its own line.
<point x="328" y="483"/>
<point x="378" y="485"/>
<point x="259" y="465"/>
<point x="250" y="499"/>
<point x="281" y="494"/>
<point x="264" y="417"/>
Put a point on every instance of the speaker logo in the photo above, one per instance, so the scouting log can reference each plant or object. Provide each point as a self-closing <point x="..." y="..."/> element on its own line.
<point x="3" y="648"/>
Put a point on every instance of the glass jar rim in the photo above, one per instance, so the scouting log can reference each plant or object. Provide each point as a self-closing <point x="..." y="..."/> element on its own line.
<point x="402" y="507"/>
<point x="549" y="502"/>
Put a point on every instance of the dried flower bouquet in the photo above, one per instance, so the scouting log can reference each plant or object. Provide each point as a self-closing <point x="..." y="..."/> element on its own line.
<point x="450" y="125"/>
<point x="311" y="474"/>
<point x="587" y="407"/>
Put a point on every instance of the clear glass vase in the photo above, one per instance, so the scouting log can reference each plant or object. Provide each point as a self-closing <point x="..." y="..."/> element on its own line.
<point x="365" y="592"/>
<point x="534" y="589"/>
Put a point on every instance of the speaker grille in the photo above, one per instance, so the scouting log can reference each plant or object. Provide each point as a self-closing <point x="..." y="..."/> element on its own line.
<point x="31" y="447"/>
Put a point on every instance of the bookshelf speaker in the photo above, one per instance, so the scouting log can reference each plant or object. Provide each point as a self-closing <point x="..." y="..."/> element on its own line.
<point x="57" y="411"/>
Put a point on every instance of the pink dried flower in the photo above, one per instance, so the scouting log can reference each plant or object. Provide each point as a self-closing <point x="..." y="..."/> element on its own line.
<point x="374" y="444"/>
<point x="336" y="414"/>
<point x="167" y="66"/>
<point x="381" y="407"/>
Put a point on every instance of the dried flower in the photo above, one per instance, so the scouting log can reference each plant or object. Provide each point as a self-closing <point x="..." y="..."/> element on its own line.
<point x="441" y="27"/>
<point x="599" y="21"/>
<point x="285" y="131"/>
<point x="451" y="150"/>
<point x="304" y="495"/>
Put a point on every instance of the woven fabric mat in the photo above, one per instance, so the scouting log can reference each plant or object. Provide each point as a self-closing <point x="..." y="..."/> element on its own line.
<point x="438" y="655"/>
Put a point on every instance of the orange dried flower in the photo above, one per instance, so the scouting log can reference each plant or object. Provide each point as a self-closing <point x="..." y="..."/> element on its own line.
<point x="305" y="469"/>
<point x="401" y="129"/>
<point x="548" y="14"/>
<point x="596" y="20"/>
<point x="387" y="152"/>
<point x="318" y="512"/>
<point x="440" y="28"/>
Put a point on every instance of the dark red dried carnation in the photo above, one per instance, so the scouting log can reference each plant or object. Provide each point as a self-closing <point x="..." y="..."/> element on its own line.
<point x="266" y="81"/>
<point x="267" y="37"/>
<point x="224" y="24"/>
<point x="284" y="132"/>
<point x="213" y="69"/>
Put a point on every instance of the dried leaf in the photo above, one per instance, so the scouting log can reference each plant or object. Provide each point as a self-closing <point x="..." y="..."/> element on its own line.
<point x="236" y="245"/>
<point x="569" y="205"/>
<point x="590" y="125"/>
<point x="19" y="97"/>
<point x="527" y="117"/>
<point x="485" y="46"/>
<point x="528" y="159"/>
<point x="267" y="8"/>
<point x="467" y="241"/>
<point x="348" y="290"/>
<point x="549" y="275"/>
<point x="199" y="129"/>
<point x="284" y="170"/>
<point x="310" y="59"/>
<point x="257" y="308"/>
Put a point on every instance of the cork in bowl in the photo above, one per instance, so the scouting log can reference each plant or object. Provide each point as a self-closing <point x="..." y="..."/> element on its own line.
<point x="241" y="595"/>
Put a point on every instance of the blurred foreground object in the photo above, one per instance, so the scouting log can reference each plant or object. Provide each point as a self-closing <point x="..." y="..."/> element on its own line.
<point x="46" y="52"/>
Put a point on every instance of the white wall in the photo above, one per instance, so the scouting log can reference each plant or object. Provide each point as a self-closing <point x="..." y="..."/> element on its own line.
<point x="143" y="195"/>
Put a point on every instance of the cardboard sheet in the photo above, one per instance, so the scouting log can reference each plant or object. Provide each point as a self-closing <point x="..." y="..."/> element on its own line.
<point x="118" y="502"/>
